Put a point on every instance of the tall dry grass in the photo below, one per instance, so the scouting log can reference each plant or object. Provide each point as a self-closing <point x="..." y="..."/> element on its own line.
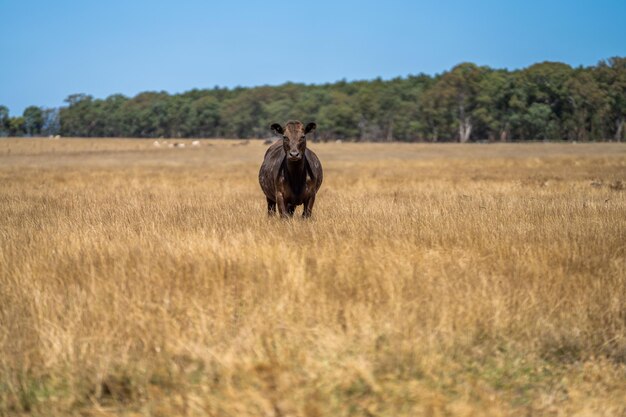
<point x="431" y="280"/>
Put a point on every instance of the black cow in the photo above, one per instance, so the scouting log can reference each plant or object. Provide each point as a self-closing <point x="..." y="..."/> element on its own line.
<point x="291" y="173"/>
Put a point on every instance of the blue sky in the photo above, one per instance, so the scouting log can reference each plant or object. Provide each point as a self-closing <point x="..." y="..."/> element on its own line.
<point x="51" y="49"/>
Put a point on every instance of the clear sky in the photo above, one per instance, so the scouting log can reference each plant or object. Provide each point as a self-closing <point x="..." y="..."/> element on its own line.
<point x="51" y="49"/>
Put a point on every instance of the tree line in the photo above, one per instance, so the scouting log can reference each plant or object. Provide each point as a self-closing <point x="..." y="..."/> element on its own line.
<point x="546" y="101"/>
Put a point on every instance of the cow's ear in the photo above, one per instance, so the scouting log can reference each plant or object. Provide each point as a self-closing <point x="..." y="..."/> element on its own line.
<point x="276" y="129"/>
<point x="309" y="128"/>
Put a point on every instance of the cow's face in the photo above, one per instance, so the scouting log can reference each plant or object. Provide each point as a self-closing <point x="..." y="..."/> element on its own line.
<point x="294" y="138"/>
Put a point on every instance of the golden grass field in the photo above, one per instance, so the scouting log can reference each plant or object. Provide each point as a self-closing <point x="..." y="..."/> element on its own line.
<point x="432" y="280"/>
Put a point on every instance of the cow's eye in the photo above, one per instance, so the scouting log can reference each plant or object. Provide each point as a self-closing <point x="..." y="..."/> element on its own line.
<point x="303" y="138"/>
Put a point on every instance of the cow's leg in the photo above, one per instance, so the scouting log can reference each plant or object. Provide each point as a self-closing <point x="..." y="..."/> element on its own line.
<point x="271" y="207"/>
<point x="308" y="206"/>
<point x="280" y="203"/>
<point x="290" y="209"/>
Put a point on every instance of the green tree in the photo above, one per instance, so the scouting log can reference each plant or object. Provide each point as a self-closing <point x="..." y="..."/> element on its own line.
<point x="537" y="118"/>
<point x="4" y="120"/>
<point x="611" y="75"/>
<point x="493" y="106"/>
<point x="407" y="120"/>
<point x="16" y="126"/>
<point x="368" y="105"/>
<point x="392" y="106"/>
<point x="33" y="120"/>
<point x="545" y="83"/>
<point x="244" y="114"/>
<point x="549" y="100"/>
<point x="76" y="119"/>
<point x="588" y="106"/>
<point x="338" y="119"/>
<point x="111" y="116"/>
<point x="205" y="117"/>
<point x="280" y="110"/>
<point x="51" y="121"/>
<point x="146" y="115"/>
<point x="454" y="97"/>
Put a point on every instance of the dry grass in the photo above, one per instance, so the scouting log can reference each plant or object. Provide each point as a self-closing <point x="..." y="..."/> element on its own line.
<point x="431" y="280"/>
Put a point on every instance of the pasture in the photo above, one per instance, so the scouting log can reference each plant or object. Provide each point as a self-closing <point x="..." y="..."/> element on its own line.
<point x="432" y="280"/>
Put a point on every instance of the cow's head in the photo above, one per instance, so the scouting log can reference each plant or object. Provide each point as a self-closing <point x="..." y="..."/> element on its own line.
<point x="294" y="138"/>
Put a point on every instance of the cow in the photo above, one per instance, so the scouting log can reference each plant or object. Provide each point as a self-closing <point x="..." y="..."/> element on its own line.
<point x="291" y="174"/>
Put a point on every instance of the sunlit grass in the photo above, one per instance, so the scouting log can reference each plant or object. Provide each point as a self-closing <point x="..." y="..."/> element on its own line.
<point x="431" y="280"/>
